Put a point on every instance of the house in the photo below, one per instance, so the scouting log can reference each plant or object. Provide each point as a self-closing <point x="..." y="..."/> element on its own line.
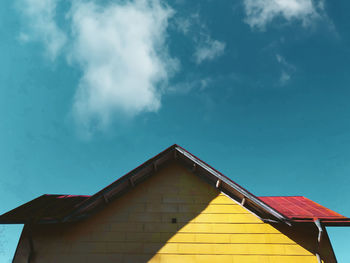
<point x="173" y="208"/>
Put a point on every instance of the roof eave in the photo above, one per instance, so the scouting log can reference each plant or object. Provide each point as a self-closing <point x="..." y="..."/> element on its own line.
<point x="199" y="167"/>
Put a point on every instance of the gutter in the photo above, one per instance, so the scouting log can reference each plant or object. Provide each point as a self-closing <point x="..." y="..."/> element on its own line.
<point x="319" y="238"/>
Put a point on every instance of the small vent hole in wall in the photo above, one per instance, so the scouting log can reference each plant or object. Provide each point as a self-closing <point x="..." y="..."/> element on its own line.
<point x="173" y="220"/>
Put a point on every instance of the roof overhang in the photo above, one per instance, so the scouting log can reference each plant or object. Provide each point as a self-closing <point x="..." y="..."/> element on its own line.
<point x="75" y="208"/>
<point x="197" y="166"/>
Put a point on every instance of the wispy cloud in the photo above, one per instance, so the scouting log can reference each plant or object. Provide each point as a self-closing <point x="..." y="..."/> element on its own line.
<point x="192" y="83"/>
<point x="183" y="24"/>
<point x="41" y="26"/>
<point x="261" y="12"/>
<point x="120" y="48"/>
<point x="287" y="69"/>
<point x="208" y="49"/>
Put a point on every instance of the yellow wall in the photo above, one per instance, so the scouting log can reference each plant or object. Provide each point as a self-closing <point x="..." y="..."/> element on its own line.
<point x="138" y="228"/>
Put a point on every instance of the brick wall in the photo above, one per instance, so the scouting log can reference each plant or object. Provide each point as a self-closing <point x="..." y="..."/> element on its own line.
<point x="172" y="217"/>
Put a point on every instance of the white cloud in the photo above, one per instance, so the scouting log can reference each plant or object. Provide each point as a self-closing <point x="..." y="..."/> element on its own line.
<point x="121" y="50"/>
<point x="286" y="71"/>
<point x="284" y="78"/>
<point x="208" y="50"/>
<point x="183" y="24"/>
<point x="193" y="83"/>
<point x="205" y="47"/>
<point x="41" y="25"/>
<point x="280" y="59"/>
<point x="261" y="12"/>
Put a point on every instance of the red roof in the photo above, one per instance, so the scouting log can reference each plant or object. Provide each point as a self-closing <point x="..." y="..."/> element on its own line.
<point x="301" y="208"/>
<point x="66" y="208"/>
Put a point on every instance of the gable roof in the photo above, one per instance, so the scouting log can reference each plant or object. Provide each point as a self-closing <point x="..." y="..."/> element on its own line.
<point x="66" y="208"/>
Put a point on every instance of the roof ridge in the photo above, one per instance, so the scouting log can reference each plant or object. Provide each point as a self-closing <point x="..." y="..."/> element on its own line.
<point x="174" y="152"/>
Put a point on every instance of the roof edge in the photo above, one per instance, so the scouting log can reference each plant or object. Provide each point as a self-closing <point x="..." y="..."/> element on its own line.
<point x="127" y="181"/>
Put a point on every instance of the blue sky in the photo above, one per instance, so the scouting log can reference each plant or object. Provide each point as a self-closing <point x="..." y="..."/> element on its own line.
<point x="258" y="89"/>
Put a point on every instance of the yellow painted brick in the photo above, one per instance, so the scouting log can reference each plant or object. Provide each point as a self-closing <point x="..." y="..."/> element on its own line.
<point x="213" y="208"/>
<point x="144" y="237"/>
<point x="56" y="246"/>
<point x="137" y="227"/>
<point x="56" y="258"/>
<point x="101" y="226"/>
<point x="149" y="198"/>
<point x="197" y="228"/>
<point x="188" y="248"/>
<point x="223" y="249"/>
<point x="126" y="227"/>
<point x="133" y="247"/>
<point x="192" y="190"/>
<point x="134" y="258"/>
<point x="178" y="199"/>
<point x="119" y="217"/>
<point x="212" y="238"/>
<point x="214" y="258"/>
<point x="150" y="207"/>
<point x="157" y="227"/>
<point x="115" y="247"/>
<point x="292" y="259"/>
<point x="89" y="247"/>
<point x="163" y="258"/>
<point x="231" y="249"/>
<point x="243" y="228"/>
<point x="122" y="206"/>
<point x="212" y="218"/>
<point x="178" y="237"/>
<point x="100" y="258"/>
<point x="169" y="248"/>
<point x="163" y="189"/>
<point x="296" y="250"/>
<point x="145" y="217"/>
<point x="151" y="248"/>
<point x="232" y="208"/>
<point x="253" y="259"/>
<point x="227" y="218"/>
<point x="228" y="228"/>
<point x="226" y="238"/>
<point x="180" y="217"/>
<point x="190" y="208"/>
<point x="107" y="236"/>
<point x="260" y="238"/>
<point x="222" y="199"/>
<point x="125" y="247"/>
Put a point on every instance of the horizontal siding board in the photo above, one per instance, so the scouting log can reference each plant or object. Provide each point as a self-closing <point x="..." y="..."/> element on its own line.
<point x="165" y="217"/>
<point x="228" y="249"/>
<point x="214" y="208"/>
<point x="209" y="238"/>
<point x="188" y="248"/>
<point x="232" y="259"/>
<point x="172" y="258"/>
<point x="228" y="228"/>
<point x="239" y="228"/>
<point x="210" y="227"/>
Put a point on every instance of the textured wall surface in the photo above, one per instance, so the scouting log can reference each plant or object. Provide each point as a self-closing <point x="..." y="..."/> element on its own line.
<point x="140" y="227"/>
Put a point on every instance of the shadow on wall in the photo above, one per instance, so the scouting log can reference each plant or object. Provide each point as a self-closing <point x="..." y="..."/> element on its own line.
<point x="132" y="228"/>
<point x="172" y="216"/>
<point x="306" y="235"/>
